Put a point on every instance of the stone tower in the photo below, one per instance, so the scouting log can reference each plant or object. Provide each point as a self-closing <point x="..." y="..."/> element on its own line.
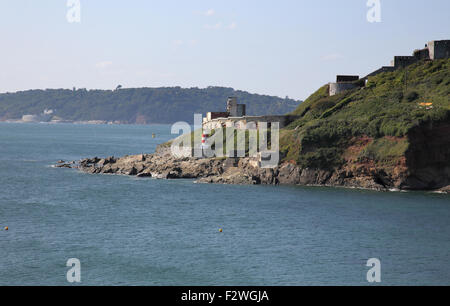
<point x="439" y="49"/>
<point x="232" y="107"/>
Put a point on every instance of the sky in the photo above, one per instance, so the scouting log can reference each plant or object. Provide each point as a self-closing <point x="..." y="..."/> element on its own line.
<point x="283" y="48"/>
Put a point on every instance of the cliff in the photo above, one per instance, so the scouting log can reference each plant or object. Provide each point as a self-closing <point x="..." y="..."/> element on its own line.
<point x="393" y="132"/>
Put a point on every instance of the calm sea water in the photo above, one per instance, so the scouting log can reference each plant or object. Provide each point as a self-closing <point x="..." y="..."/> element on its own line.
<point x="128" y="231"/>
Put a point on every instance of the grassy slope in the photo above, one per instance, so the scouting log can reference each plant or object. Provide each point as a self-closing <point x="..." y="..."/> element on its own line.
<point x="383" y="111"/>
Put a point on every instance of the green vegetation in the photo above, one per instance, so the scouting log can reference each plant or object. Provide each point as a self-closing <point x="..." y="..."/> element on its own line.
<point x="384" y="150"/>
<point x="141" y="105"/>
<point x="390" y="104"/>
<point x="227" y="143"/>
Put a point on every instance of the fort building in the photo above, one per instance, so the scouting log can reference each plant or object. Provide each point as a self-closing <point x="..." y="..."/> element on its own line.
<point x="347" y="78"/>
<point x="234" y="109"/>
<point x="236" y="117"/>
<point x="403" y="61"/>
<point x="439" y="49"/>
<point x="434" y="50"/>
<point x="343" y="83"/>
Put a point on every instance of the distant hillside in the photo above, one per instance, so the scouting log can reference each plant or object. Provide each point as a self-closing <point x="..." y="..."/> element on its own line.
<point x="137" y="105"/>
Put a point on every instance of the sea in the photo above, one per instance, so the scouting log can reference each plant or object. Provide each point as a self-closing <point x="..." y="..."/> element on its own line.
<point x="129" y="231"/>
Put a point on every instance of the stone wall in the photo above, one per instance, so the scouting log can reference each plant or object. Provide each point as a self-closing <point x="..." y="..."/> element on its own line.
<point x="403" y="61"/>
<point x="232" y="106"/>
<point x="347" y="78"/>
<point x="336" y="88"/>
<point x="422" y="54"/>
<point x="241" y="110"/>
<point x="248" y="122"/>
<point x="439" y="49"/>
<point x="214" y="115"/>
<point x="381" y="70"/>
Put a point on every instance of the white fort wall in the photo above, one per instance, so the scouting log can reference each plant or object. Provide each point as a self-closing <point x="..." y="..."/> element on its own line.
<point x="336" y="88"/>
<point x="247" y="122"/>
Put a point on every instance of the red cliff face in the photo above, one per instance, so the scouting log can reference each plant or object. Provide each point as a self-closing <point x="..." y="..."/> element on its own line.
<point x="425" y="165"/>
<point x="428" y="157"/>
<point x="419" y="161"/>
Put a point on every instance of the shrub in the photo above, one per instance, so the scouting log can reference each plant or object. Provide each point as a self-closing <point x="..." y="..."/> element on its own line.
<point x="412" y="96"/>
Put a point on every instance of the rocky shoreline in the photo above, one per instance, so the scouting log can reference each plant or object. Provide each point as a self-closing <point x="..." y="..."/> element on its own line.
<point x="243" y="171"/>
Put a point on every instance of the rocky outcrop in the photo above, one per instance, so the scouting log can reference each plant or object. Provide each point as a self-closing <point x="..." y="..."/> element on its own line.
<point x="418" y="169"/>
<point x="232" y="171"/>
<point x="161" y="165"/>
<point x="158" y="165"/>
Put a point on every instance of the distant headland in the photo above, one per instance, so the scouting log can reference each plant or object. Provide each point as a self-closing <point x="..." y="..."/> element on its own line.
<point x="130" y="105"/>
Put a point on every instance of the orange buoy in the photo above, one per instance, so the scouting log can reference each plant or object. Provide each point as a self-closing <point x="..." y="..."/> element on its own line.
<point x="6" y="228"/>
<point x="220" y="230"/>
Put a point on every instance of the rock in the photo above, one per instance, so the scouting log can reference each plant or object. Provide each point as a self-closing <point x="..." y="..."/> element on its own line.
<point x="162" y="165"/>
<point x="230" y="162"/>
<point x="101" y="163"/>
<point x="445" y="189"/>
<point x="110" y="160"/>
<point x="132" y="171"/>
<point x="160" y="176"/>
<point x="308" y="177"/>
<point x="147" y="172"/>
<point x="108" y="169"/>
<point x="63" y="165"/>
<point x="289" y="174"/>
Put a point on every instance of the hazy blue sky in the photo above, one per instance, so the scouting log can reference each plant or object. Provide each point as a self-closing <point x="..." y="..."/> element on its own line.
<point x="284" y="47"/>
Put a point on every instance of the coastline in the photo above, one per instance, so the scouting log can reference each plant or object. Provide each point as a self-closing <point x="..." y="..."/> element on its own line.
<point x="90" y="122"/>
<point x="234" y="171"/>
